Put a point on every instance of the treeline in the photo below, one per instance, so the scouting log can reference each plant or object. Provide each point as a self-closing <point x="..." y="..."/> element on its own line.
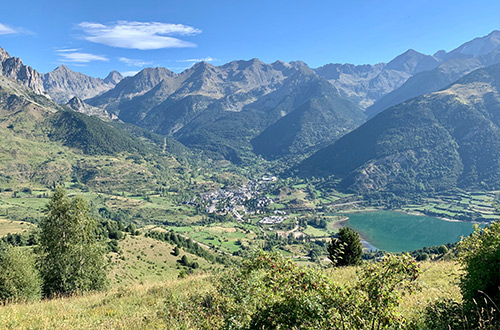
<point x="427" y="252"/>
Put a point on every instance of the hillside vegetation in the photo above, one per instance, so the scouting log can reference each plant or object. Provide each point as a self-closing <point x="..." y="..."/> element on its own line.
<point x="172" y="304"/>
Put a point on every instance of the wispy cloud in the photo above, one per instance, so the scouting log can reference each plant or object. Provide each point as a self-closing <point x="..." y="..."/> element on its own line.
<point x="66" y="50"/>
<point x="203" y="59"/>
<point x="138" y="35"/>
<point x="134" y="62"/>
<point x="4" y="29"/>
<point x="75" y="56"/>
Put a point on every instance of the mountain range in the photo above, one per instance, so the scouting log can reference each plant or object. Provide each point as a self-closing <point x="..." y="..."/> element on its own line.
<point x="449" y="138"/>
<point x="290" y="111"/>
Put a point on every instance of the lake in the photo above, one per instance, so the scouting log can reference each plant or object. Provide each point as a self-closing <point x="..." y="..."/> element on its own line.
<point x="396" y="232"/>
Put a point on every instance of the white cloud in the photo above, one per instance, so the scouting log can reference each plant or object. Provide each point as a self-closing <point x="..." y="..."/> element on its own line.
<point x="134" y="62"/>
<point x="203" y="59"/>
<point x="4" y="29"/>
<point x="129" y="73"/>
<point x="71" y="56"/>
<point x="138" y="35"/>
<point x="66" y="50"/>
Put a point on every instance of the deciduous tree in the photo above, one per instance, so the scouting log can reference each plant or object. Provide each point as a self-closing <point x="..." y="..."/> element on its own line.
<point x="72" y="255"/>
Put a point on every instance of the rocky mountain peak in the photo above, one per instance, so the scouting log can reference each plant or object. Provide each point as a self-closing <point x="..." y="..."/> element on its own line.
<point x="3" y="54"/>
<point x="79" y="105"/>
<point x="13" y="68"/>
<point x="62" y="68"/>
<point x="114" y="77"/>
<point x="75" y="103"/>
<point x="63" y="83"/>
<point x="413" y="62"/>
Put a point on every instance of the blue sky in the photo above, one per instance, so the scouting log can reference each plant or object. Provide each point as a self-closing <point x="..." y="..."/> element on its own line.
<point x="95" y="37"/>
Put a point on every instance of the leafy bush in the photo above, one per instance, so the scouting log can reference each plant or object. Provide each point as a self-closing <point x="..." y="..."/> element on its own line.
<point x="480" y="284"/>
<point x="270" y="292"/>
<point x="19" y="278"/>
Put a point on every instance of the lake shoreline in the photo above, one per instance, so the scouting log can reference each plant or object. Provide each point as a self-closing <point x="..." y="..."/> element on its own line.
<point x="366" y="245"/>
<point x="409" y="233"/>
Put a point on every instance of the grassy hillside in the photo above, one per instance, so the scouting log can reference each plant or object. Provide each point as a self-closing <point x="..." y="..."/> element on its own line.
<point x="166" y="305"/>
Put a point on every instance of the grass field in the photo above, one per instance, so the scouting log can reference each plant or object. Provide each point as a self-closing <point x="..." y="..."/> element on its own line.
<point x="146" y="260"/>
<point x="14" y="227"/>
<point x="143" y="306"/>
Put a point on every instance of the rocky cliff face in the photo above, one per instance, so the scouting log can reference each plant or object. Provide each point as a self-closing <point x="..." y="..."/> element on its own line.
<point x="13" y="68"/>
<point x="79" y="105"/>
<point x="63" y="84"/>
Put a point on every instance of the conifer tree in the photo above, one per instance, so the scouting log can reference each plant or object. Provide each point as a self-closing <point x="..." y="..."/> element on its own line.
<point x="346" y="249"/>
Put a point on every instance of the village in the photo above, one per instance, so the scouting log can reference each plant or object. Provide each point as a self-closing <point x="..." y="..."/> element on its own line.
<point x="249" y="199"/>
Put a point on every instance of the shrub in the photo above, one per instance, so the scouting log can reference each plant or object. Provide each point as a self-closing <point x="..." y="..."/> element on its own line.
<point x="19" y="278"/>
<point x="271" y="292"/>
<point x="480" y="284"/>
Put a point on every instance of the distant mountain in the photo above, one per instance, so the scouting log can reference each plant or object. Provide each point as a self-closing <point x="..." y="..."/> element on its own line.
<point x="62" y="84"/>
<point x="365" y="84"/>
<point x="130" y="87"/>
<point x="13" y="67"/>
<point x="433" y="80"/>
<point x="222" y="108"/>
<point x="114" y="77"/>
<point x="476" y="47"/>
<point x="450" y="138"/>
<point x="322" y="119"/>
<point x="472" y="55"/>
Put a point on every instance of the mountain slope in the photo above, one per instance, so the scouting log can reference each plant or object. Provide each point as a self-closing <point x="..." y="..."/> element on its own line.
<point x="91" y="135"/>
<point x="320" y="120"/>
<point x="438" y="141"/>
<point x="477" y="47"/>
<point x="44" y="143"/>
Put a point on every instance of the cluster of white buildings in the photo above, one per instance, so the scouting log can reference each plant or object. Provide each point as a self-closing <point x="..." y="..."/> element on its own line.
<point x="249" y="199"/>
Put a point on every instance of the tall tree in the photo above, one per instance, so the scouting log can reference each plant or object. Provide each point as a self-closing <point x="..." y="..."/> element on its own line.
<point x="346" y="249"/>
<point x="72" y="254"/>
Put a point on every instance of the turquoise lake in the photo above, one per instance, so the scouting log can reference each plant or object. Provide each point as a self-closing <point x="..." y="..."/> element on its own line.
<point x="396" y="232"/>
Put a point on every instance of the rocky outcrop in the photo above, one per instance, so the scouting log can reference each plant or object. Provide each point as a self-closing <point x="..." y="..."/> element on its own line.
<point x="79" y="105"/>
<point x="13" y="68"/>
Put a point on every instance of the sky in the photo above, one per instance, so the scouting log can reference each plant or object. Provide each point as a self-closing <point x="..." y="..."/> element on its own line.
<point x="95" y="37"/>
